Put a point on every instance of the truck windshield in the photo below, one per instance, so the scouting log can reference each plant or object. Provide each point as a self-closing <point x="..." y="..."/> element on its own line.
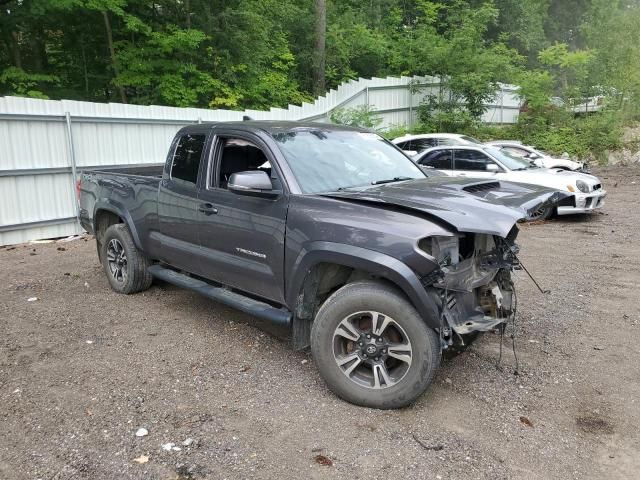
<point x="328" y="161"/>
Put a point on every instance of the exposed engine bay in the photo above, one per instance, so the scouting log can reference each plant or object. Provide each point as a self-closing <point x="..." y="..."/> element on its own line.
<point x="472" y="282"/>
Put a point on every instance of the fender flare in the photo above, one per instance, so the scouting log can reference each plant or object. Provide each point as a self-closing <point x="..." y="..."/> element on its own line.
<point x="370" y="261"/>
<point x="108" y="205"/>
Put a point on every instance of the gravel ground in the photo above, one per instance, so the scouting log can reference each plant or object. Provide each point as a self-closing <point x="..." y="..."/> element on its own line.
<point x="83" y="368"/>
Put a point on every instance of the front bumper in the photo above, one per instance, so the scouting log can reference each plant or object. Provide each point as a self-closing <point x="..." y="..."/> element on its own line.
<point x="584" y="203"/>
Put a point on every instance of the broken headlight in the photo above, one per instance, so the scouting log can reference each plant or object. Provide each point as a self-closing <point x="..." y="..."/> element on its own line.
<point x="445" y="250"/>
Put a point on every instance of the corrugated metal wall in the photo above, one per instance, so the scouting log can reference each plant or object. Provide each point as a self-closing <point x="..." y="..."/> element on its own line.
<point x="43" y="142"/>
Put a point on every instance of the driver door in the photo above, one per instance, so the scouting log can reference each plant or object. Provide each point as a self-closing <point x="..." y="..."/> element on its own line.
<point x="242" y="237"/>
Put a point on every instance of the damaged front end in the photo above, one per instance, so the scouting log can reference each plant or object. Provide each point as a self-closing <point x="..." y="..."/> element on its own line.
<point x="472" y="284"/>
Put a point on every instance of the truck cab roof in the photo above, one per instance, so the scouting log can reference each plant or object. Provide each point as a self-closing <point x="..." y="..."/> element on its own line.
<point x="269" y="126"/>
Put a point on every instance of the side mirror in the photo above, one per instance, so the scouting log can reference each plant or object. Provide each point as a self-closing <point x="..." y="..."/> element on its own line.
<point x="492" y="167"/>
<point x="253" y="183"/>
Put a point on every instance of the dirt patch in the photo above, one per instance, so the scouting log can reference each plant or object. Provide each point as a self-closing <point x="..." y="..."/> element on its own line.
<point x="595" y="425"/>
<point x="82" y="369"/>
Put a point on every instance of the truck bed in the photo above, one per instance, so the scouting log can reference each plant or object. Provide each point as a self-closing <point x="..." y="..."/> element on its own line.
<point x="151" y="170"/>
<point x="131" y="191"/>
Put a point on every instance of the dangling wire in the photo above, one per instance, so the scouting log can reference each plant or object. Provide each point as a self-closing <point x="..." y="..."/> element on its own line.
<point x="444" y="298"/>
<point x="530" y="276"/>
<point x="503" y="327"/>
<point x="513" y="335"/>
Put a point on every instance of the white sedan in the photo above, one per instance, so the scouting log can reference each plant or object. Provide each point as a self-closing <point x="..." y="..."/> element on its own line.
<point x="484" y="161"/>
<point x="538" y="157"/>
<point x="415" y="144"/>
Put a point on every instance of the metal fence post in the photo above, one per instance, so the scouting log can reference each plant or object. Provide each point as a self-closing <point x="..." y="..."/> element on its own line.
<point x="410" y="122"/>
<point x="366" y="97"/>
<point x="72" y="160"/>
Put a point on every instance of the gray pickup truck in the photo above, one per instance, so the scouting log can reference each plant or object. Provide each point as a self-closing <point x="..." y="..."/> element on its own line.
<point x="330" y="231"/>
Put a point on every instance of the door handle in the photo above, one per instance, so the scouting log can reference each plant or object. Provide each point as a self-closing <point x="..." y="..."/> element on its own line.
<point x="207" y="209"/>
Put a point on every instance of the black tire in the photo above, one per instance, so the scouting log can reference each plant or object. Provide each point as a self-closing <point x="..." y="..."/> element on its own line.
<point x="366" y="296"/>
<point x="134" y="274"/>
<point x="542" y="214"/>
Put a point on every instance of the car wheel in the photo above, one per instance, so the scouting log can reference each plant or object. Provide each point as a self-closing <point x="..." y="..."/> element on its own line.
<point x="372" y="348"/>
<point x="542" y="213"/>
<point x="126" y="267"/>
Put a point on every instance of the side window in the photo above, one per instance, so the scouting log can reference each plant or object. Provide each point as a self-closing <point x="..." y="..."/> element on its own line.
<point x="440" y="159"/>
<point x="186" y="158"/>
<point x="404" y="145"/>
<point x="471" y="160"/>
<point x="239" y="155"/>
<point x="447" y="141"/>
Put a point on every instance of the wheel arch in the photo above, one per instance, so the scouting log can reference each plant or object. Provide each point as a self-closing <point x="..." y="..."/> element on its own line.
<point x="106" y="213"/>
<point x="343" y="264"/>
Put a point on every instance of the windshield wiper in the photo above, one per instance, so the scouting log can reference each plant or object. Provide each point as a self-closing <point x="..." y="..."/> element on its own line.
<point x="391" y="180"/>
<point x="351" y="187"/>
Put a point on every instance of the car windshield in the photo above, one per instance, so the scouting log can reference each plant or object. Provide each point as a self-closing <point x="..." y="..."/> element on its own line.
<point x="469" y="139"/>
<point x="540" y="153"/>
<point x="325" y="160"/>
<point x="512" y="162"/>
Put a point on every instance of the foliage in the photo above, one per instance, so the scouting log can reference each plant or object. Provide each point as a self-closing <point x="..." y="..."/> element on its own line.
<point x="362" y="116"/>
<point x="23" y="84"/>
<point x="468" y="66"/>
<point x="260" y="53"/>
<point x="577" y="136"/>
<point x="445" y="114"/>
<point x="395" y="131"/>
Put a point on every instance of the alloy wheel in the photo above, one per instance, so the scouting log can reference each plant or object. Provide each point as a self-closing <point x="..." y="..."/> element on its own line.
<point x="117" y="260"/>
<point x="372" y="349"/>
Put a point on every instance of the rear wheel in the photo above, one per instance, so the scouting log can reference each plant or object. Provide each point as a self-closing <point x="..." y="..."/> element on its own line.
<point x="126" y="267"/>
<point x="372" y="347"/>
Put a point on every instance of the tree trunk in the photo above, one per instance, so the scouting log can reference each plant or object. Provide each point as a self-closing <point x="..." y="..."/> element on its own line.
<point x="38" y="52"/>
<point x="15" y="49"/>
<point x="376" y="13"/>
<point x="187" y="7"/>
<point x="84" y="68"/>
<point x="112" y="53"/>
<point x="319" y="52"/>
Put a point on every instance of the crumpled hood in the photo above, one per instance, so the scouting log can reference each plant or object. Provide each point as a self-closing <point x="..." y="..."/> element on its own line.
<point x="468" y="205"/>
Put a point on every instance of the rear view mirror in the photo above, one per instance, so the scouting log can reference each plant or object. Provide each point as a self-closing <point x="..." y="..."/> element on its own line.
<point x="254" y="183"/>
<point x="492" y="167"/>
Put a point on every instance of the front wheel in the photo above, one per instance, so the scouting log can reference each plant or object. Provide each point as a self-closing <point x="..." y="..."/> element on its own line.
<point x="372" y="348"/>
<point x="543" y="213"/>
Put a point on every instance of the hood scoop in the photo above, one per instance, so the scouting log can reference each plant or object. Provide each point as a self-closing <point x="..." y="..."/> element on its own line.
<point x="482" y="187"/>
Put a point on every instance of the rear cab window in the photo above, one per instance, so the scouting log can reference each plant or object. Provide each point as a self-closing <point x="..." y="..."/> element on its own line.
<point x="187" y="157"/>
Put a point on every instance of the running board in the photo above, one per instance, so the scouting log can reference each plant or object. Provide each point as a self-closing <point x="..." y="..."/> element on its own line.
<point x="222" y="295"/>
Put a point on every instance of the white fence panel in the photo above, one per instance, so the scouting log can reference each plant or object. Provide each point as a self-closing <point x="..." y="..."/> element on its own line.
<point x="44" y="142"/>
